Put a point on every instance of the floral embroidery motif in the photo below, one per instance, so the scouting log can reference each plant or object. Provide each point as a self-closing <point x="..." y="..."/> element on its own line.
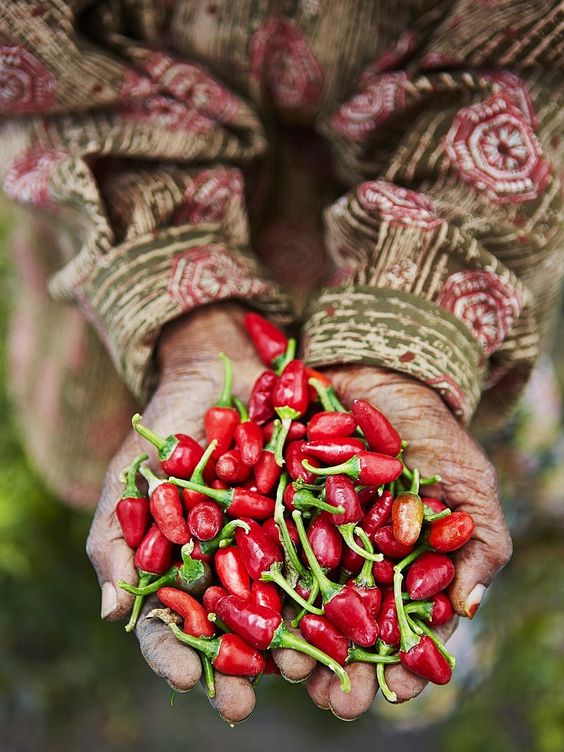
<point x="495" y="149"/>
<point x="380" y="96"/>
<point x="210" y="272"/>
<point x="484" y="302"/>
<point x="397" y="205"/>
<point x="25" y="84"/>
<point x="28" y="177"/>
<point x="194" y="86"/>
<point x="282" y="58"/>
<point x="209" y="195"/>
<point x="167" y="113"/>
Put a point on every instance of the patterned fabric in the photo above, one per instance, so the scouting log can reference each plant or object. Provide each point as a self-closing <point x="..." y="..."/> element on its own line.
<point x="391" y="165"/>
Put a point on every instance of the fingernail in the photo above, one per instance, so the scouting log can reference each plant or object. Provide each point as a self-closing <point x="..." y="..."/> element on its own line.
<point x="472" y="602"/>
<point x="109" y="599"/>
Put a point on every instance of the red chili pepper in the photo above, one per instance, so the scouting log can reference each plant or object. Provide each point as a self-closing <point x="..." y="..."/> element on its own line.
<point x="261" y="408"/>
<point x="219" y="485"/>
<point x="364" y="583"/>
<point x="320" y="632"/>
<point x="196" y="620"/>
<point x="296" y="431"/>
<point x="271" y="528"/>
<point x="205" y="520"/>
<point x="325" y="541"/>
<point x="294" y="456"/>
<point x="270" y="342"/>
<point x="452" y="532"/>
<point x="204" y="472"/>
<point x="232" y="572"/>
<point x="436" y="505"/>
<point x="425" y="660"/>
<point x="351" y="562"/>
<point x="266" y="471"/>
<point x="438" y="610"/>
<point x="366" y="494"/>
<point x="258" y="551"/>
<point x="178" y="453"/>
<point x="330" y="425"/>
<point x="343" y="607"/>
<point x="154" y="554"/>
<point x="248" y="436"/>
<point x="266" y="594"/>
<point x="378" y="514"/>
<point x="388" y="620"/>
<point x="290" y="399"/>
<point x="228" y="653"/>
<point x="407" y="518"/>
<point x="239" y="502"/>
<point x="221" y="420"/>
<point x="339" y="491"/>
<point x="333" y="450"/>
<point x="368" y="468"/>
<point x="263" y="628"/>
<point x="383" y="572"/>
<point x="388" y="545"/>
<point x="132" y="510"/>
<point x="379" y="433"/>
<point x="166" y="507"/>
<point x="429" y="574"/>
<point x="231" y="468"/>
<point x="212" y="595"/>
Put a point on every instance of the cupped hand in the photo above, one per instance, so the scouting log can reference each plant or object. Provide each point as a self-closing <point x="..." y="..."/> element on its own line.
<point x="191" y="377"/>
<point x="437" y="443"/>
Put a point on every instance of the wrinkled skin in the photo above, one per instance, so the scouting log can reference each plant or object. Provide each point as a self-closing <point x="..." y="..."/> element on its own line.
<point x="190" y="380"/>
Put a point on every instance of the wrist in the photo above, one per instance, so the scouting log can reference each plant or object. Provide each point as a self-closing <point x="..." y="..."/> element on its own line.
<point x="194" y="341"/>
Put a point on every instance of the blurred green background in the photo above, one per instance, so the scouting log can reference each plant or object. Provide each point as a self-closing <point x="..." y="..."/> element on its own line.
<point x="69" y="681"/>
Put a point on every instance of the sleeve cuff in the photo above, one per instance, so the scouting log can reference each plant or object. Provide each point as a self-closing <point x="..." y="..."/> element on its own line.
<point x="141" y="285"/>
<point x="400" y="331"/>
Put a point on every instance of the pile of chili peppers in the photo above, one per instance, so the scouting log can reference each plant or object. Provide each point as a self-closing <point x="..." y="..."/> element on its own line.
<point x="294" y="500"/>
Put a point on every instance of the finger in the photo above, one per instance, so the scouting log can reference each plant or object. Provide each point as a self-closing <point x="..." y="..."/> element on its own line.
<point x="349" y="705"/>
<point x="294" y="666"/>
<point x="111" y="557"/>
<point x="405" y="684"/>
<point x="474" y="489"/>
<point x="318" y="686"/>
<point x="234" y="697"/>
<point x="178" y="664"/>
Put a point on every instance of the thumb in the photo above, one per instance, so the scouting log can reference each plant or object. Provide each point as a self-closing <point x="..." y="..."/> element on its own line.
<point x="490" y="547"/>
<point x="112" y="559"/>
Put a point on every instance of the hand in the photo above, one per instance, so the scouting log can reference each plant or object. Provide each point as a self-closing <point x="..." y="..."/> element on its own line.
<point x="191" y="376"/>
<point x="437" y="443"/>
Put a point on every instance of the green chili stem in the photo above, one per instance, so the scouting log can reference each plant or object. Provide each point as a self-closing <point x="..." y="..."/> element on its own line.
<point x="328" y="589"/>
<point x="314" y="592"/>
<point x="198" y="474"/>
<point x="144" y="579"/>
<point x="451" y="660"/>
<point x="147" y="433"/>
<point x="166" y="578"/>
<point x="358" y="654"/>
<point x="280" y="363"/>
<point x="225" y="398"/>
<point x="435" y="515"/>
<point x="243" y="412"/>
<point x="274" y="575"/>
<point x="286" y="415"/>
<point x="347" y="531"/>
<point x="384" y="649"/>
<point x="287" y="544"/>
<point x="209" y="678"/>
<point x="323" y="395"/>
<point x="131" y="491"/>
